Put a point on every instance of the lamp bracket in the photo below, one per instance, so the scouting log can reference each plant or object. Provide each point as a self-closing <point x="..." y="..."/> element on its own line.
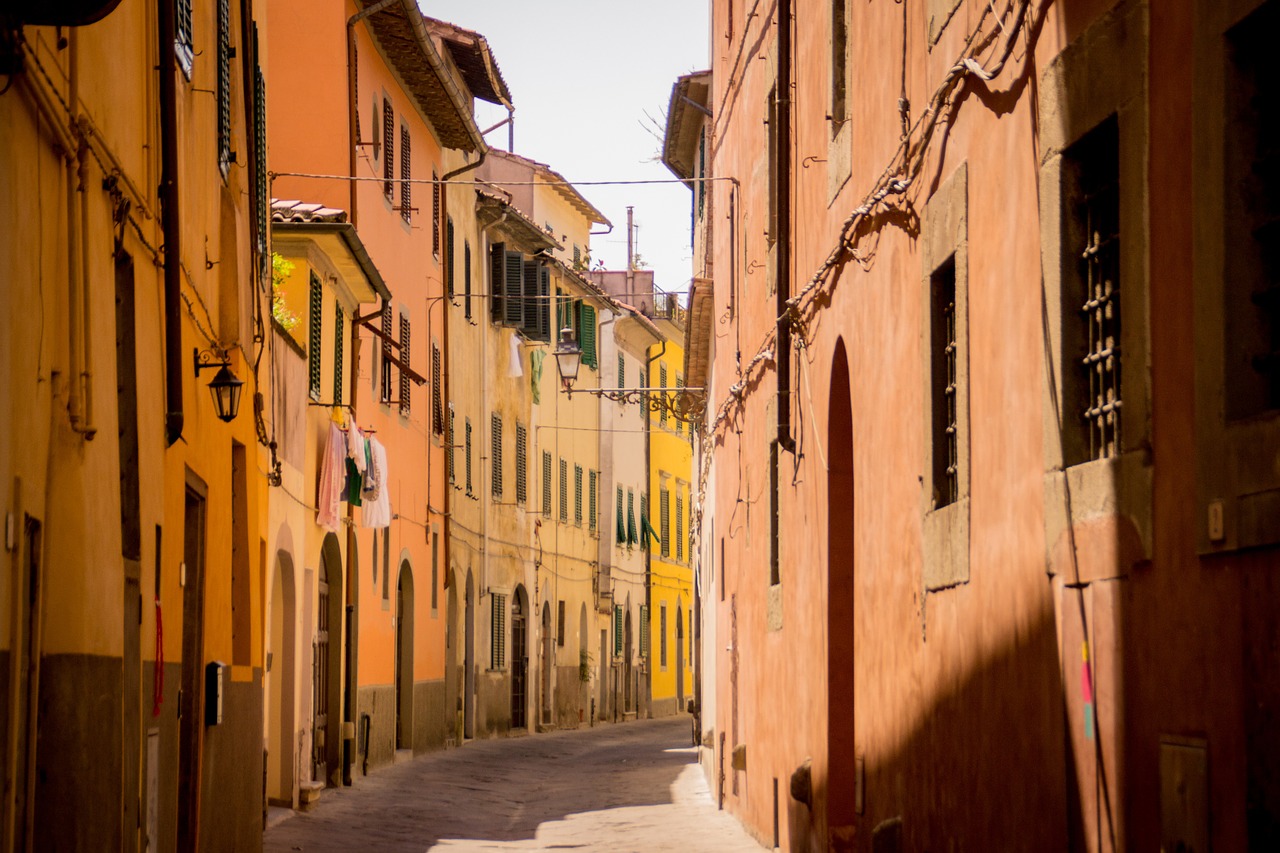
<point x="209" y="359"/>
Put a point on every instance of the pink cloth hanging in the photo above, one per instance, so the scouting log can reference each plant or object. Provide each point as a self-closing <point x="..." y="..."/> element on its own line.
<point x="333" y="475"/>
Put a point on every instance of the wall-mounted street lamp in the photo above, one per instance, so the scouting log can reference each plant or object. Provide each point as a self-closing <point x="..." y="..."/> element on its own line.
<point x="568" y="357"/>
<point x="225" y="387"/>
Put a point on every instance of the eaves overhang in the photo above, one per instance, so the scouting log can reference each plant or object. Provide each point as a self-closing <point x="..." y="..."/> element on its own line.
<point x="698" y="326"/>
<point x="345" y="250"/>
<point x="495" y="212"/>
<point x="686" y="112"/>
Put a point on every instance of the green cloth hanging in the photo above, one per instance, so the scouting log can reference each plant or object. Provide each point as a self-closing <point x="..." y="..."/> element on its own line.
<point x="535" y="374"/>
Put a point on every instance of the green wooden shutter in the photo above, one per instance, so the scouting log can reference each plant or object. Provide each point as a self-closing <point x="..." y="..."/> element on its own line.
<point x="497" y="281"/>
<point x="664" y="522"/>
<point x="315" y="337"/>
<point x="224" y="85"/>
<point x="593" y="484"/>
<point x="529" y="314"/>
<point x="546" y="484"/>
<point x="622" y="525"/>
<point x="587" y="331"/>
<point x="632" y="538"/>
<point x="522" y="463"/>
<point x="514" y="314"/>
<point x="577" y="495"/>
<point x="564" y="490"/>
<point x="679" y="527"/>
<point x="544" y="304"/>
<point x="644" y="630"/>
<point x="617" y="630"/>
<point x="468" y="452"/>
<point x="338" y="335"/>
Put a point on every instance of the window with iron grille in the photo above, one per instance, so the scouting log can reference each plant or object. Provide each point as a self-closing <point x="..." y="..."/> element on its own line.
<point x="664" y="521"/>
<point x="388" y="150"/>
<point x="437" y="391"/>
<point x="386" y="354"/>
<point x="644" y="630"/>
<point x="1251" y="172"/>
<point x="405" y="384"/>
<point x="622" y="522"/>
<point x="495" y="452"/>
<point x="679" y="527"/>
<point x="560" y="622"/>
<point x="315" y="336"/>
<point x="183" y="36"/>
<point x="1092" y="168"/>
<point x="224" y="85"/>
<point x="339" y="323"/>
<point x="546" y="484"/>
<point x="448" y="256"/>
<point x="522" y="463"/>
<point x="662" y="635"/>
<point x="498" y="631"/>
<point x="577" y="495"/>
<point x="467" y="440"/>
<point x="593" y="484"/>
<point x="406" y="188"/>
<point x="944" y="404"/>
<point x="564" y="490"/>
<point x="662" y="383"/>
<point x="617" y="630"/>
<point x="436" y="190"/>
<point x="466" y="279"/>
<point x="449" y="440"/>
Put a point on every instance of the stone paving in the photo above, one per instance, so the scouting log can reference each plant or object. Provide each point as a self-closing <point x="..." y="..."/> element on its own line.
<point x="627" y="787"/>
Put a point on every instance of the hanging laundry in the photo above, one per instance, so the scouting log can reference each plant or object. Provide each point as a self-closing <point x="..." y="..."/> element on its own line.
<point x="355" y="465"/>
<point x="515" y="368"/>
<point x="355" y="446"/>
<point x="332" y="475"/>
<point x="373" y="476"/>
<point x="535" y="374"/>
<point x="377" y="512"/>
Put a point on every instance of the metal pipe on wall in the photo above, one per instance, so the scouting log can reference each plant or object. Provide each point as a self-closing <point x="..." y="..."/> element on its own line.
<point x="171" y="226"/>
<point x="783" y="258"/>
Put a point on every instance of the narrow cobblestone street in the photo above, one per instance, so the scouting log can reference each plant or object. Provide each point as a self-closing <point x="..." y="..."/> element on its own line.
<point x="632" y="787"/>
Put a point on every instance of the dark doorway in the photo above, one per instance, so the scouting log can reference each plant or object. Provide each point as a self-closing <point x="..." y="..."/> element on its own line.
<point x="469" y="661"/>
<point x="628" y="693"/>
<point x="519" y="660"/>
<point x="404" y="658"/>
<point x="679" y="657"/>
<point x="191" y="706"/>
<point x="548" y="662"/>
<point x="327" y="674"/>
<point x="841" y="746"/>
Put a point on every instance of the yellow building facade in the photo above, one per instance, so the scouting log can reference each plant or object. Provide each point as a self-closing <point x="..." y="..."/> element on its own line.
<point x="130" y="614"/>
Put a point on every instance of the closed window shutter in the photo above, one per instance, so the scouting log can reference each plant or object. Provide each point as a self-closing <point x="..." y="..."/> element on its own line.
<point x="468" y="452"/>
<point x="495" y="427"/>
<point x="466" y="279"/>
<point x="593" y="483"/>
<point x="644" y="630"/>
<point x="224" y="85"/>
<point x="405" y="384"/>
<point x="564" y="490"/>
<point x="645" y="525"/>
<point x="339" y="334"/>
<point x="662" y="635"/>
<point x="679" y="527"/>
<point x="514" y="314"/>
<point x="436" y="189"/>
<point x="632" y="537"/>
<point x="497" y="281"/>
<point x="560" y="623"/>
<point x="449" y="441"/>
<point x="406" y="188"/>
<point x="315" y="337"/>
<point x="437" y="387"/>
<point x="529" y="319"/>
<point x="587" y="332"/>
<point x="498" y="642"/>
<point x="386" y="354"/>
<point x="664" y="523"/>
<point x="662" y="383"/>
<point x="546" y="484"/>
<point x="622" y="525"/>
<point x="522" y="463"/>
<point x="260" y="171"/>
<point x="544" y="304"/>
<point x="577" y="495"/>
<point x="449" y="256"/>
<point x="388" y="149"/>
<point x="622" y="371"/>
<point x="617" y="631"/>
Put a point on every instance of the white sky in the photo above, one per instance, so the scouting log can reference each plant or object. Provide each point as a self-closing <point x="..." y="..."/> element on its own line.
<point x="583" y="74"/>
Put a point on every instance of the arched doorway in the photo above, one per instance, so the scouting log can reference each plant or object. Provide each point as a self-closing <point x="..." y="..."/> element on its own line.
<point x="469" y="660"/>
<point x="679" y="656"/>
<point x="280" y="676"/>
<point x="327" y="667"/>
<point x="404" y="658"/>
<point x="548" y="662"/>
<point x="841" y="745"/>
<point x="519" y="660"/>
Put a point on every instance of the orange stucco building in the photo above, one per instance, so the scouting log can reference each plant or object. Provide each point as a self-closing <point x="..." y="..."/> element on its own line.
<point x="989" y="433"/>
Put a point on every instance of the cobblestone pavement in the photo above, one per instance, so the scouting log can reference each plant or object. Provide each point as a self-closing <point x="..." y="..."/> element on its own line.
<point x="629" y="787"/>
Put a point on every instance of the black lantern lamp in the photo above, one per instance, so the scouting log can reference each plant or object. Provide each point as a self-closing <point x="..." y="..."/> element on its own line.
<point x="568" y="357"/>
<point x="225" y="387"/>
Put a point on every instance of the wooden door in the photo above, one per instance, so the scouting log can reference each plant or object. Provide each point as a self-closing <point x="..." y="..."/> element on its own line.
<point x="519" y="665"/>
<point x="320" y="678"/>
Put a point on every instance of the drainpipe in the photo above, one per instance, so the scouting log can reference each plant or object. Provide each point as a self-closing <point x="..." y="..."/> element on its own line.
<point x="79" y="390"/>
<point x="171" y="227"/>
<point x="783" y="258"/>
